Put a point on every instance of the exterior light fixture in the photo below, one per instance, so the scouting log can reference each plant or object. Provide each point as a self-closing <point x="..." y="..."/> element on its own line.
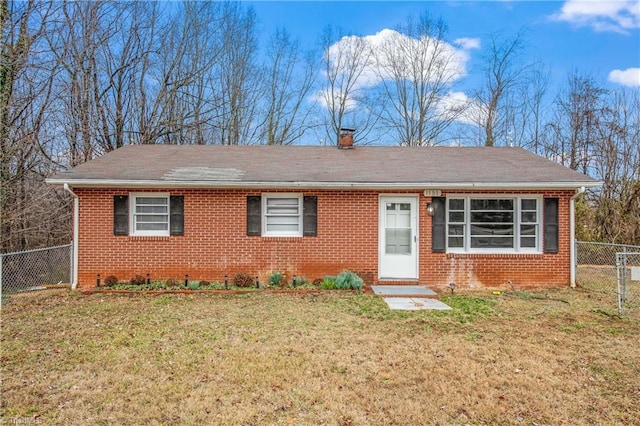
<point x="430" y="209"/>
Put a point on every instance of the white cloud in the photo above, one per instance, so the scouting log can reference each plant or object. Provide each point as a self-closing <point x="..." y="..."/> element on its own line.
<point x="323" y="97"/>
<point x="617" y="16"/>
<point x="387" y="48"/>
<point x="629" y="77"/>
<point x="467" y="43"/>
<point x="465" y="109"/>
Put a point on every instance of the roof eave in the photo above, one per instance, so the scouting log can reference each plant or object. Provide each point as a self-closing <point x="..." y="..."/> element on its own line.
<point x="116" y="183"/>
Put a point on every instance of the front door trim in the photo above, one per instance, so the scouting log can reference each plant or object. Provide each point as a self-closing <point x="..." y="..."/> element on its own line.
<point x="386" y="270"/>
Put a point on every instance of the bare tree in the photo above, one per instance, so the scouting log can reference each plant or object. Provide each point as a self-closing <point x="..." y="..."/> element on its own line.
<point x="597" y="132"/>
<point x="346" y="62"/>
<point x="171" y="84"/>
<point x="26" y="73"/>
<point x="237" y="80"/>
<point x="533" y="109"/>
<point x="616" y="162"/>
<point x="503" y="73"/>
<point x="578" y="110"/>
<point x="416" y="67"/>
<point x="291" y="75"/>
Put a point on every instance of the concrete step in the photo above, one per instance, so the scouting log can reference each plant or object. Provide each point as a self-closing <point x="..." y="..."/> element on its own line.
<point x="415" y="304"/>
<point x="403" y="291"/>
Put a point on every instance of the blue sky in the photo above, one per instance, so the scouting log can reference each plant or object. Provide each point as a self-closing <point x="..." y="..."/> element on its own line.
<point x="601" y="38"/>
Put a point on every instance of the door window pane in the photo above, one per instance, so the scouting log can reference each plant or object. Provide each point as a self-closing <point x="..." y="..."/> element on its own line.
<point x="398" y="240"/>
<point x="398" y="228"/>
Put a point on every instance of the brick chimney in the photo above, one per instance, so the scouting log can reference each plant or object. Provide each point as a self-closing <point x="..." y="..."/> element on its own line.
<point x="345" y="139"/>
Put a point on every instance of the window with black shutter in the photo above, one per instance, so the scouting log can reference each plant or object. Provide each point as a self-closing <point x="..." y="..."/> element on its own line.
<point x="120" y="215"/>
<point x="310" y="216"/>
<point x="176" y="215"/>
<point x="254" y="215"/>
<point x="551" y="225"/>
<point x="438" y="225"/>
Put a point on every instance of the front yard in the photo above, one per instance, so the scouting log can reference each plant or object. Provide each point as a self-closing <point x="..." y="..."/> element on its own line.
<point x="338" y="359"/>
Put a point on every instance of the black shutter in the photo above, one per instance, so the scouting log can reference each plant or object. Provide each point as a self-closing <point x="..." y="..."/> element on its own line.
<point x="550" y="225"/>
<point x="439" y="225"/>
<point x="120" y="215"/>
<point x="310" y="216"/>
<point x="176" y="215"/>
<point x="254" y="215"/>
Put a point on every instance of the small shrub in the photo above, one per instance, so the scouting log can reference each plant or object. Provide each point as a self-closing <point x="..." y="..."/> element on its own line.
<point x="172" y="282"/>
<point x="276" y="279"/>
<point x="348" y="280"/>
<point x="157" y="285"/>
<point x="194" y="285"/>
<point x="328" y="282"/>
<point x="243" y="280"/>
<point x="138" y="280"/>
<point x="204" y="283"/>
<point x="110" y="281"/>
<point x="301" y="280"/>
<point x="213" y="285"/>
<point x="317" y="282"/>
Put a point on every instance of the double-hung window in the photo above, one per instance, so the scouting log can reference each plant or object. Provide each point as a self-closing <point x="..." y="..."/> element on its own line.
<point x="282" y="214"/>
<point x="493" y="224"/>
<point x="150" y="214"/>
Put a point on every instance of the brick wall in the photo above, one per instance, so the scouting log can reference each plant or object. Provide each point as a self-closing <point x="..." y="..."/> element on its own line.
<point x="495" y="270"/>
<point x="215" y="244"/>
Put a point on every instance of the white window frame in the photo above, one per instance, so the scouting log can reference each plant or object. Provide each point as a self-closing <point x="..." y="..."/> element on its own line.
<point x="516" y="224"/>
<point x="267" y="196"/>
<point x="133" y="197"/>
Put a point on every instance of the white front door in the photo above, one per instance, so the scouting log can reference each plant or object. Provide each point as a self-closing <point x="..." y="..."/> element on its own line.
<point x="398" y="239"/>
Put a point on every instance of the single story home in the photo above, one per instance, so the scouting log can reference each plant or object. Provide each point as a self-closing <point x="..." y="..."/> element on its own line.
<point x="472" y="216"/>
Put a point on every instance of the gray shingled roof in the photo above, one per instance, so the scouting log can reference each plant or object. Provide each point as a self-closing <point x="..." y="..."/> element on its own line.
<point x="315" y="166"/>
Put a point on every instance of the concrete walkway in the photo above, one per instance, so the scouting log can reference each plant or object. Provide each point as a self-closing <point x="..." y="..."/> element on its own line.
<point x="409" y="297"/>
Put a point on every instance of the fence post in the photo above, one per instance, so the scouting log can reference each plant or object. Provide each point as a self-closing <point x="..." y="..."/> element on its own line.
<point x="574" y="264"/>
<point x="71" y="271"/>
<point x="624" y="275"/>
<point x="619" y="281"/>
<point x="1" y="257"/>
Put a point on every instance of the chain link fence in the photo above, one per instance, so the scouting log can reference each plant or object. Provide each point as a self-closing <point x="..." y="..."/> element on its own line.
<point x="598" y="271"/>
<point x="628" y="272"/>
<point x="32" y="269"/>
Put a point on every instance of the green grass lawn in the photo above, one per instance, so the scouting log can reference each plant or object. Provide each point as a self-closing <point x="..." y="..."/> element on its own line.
<point x="336" y="359"/>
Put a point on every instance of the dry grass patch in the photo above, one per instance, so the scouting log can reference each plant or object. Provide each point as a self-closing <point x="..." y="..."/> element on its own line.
<point x="328" y="359"/>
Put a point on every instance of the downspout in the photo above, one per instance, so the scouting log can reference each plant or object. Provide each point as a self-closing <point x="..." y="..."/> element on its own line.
<point x="76" y="233"/>
<point x="572" y="234"/>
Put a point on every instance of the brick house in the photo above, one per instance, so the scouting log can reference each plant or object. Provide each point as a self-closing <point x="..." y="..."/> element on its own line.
<point x="477" y="217"/>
